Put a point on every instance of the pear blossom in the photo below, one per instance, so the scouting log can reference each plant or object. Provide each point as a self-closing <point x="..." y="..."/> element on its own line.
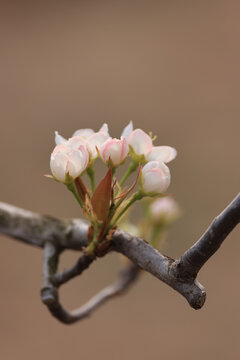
<point x="162" y="154"/>
<point x="140" y="142"/>
<point x="164" y="209"/>
<point x="67" y="164"/>
<point x="114" y="151"/>
<point x="155" y="177"/>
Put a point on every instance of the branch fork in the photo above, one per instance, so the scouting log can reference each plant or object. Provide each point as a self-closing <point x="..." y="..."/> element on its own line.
<point x="56" y="235"/>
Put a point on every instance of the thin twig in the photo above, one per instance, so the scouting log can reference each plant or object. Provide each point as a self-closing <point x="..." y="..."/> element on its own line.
<point x="50" y="296"/>
<point x="82" y="264"/>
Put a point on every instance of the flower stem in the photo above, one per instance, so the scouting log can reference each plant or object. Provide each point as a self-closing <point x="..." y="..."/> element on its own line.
<point x="91" y="174"/>
<point x="137" y="196"/>
<point x="157" y="234"/>
<point x="132" y="167"/>
<point x="93" y="244"/>
<point x="72" y="188"/>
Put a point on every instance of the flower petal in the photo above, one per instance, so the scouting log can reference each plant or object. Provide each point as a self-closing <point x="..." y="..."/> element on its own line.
<point x="156" y="177"/>
<point x="115" y="150"/>
<point x="127" y="130"/>
<point x="83" y="133"/>
<point x="58" y="165"/>
<point x="95" y="140"/>
<point x="75" y="142"/>
<point x="104" y="129"/>
<point x="162" y="154"/>
<point x="59" y="139"/>
<point x="140" y="142"/>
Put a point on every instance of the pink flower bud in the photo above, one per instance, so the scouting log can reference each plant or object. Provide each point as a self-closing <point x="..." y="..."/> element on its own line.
<point x="114" y="151"/>
<point x="164" y="209"/>
<point x="67" y="164"/>
<point x="155" y="177"/>
<point x="162" y="154"/>
<point x="140" y="142"/>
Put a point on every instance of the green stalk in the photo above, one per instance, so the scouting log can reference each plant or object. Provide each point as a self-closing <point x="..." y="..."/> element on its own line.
<point x="72" y="188"/>
<point x="91" y="175"/>
<point x="132" y="167"/>
<point x="157" y="231"/>
<point x="137" y="196"/>
<point x="93" y="244"/>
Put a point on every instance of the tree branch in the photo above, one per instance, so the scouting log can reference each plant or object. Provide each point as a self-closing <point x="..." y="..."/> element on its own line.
<point x="189" y="264"/>
<point x="57" y="235"/>
<point x="49" y="292"/>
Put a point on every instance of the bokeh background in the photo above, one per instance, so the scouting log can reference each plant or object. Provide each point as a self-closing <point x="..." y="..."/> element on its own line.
<point x="173" y="68"/>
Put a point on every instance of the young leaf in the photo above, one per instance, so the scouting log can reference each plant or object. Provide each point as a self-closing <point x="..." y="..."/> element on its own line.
<point x="102" y="196"/>
<point x="81" y="189"/>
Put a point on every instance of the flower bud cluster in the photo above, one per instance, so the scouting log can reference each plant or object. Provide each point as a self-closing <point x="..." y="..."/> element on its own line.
<point x="72" y="157"/>
<point x="105" y="206"/>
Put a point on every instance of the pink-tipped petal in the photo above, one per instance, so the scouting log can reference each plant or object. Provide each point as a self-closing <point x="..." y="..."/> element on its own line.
<point x="156" y="177"/>
<point x="115" y="150"/>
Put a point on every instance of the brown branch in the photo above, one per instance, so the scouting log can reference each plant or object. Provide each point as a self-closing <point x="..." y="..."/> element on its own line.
<point x="49" y="292"/>
<point x="82" y="264"/>
<point x="35" y="229"/>
<point x="189" y="264"/>
<point x="57" y="235"/>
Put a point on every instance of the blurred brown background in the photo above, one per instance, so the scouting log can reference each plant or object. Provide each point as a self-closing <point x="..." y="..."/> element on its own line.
<point x="173" y="68"/>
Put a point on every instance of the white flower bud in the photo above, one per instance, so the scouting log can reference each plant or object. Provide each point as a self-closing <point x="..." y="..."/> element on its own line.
<point x="155" y="177"/>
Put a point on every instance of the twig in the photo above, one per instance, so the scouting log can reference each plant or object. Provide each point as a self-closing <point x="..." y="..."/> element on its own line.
<point x="49" y="292"/>
<point x="82" y="264"/>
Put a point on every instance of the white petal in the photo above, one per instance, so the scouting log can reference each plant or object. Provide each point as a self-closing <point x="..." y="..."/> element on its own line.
<point x="156" y="177"/>
<point x="75" y="142"/>
<point x="104" y="129"/>
<point x="127" y="130"/>
<point x="84" y="133"/>
<point x="62" y="149"/>
<point x="140" y="142"/>
<point x="162" y="154"/>
<point x="59" y="139"/>
<point x="58" y="165"/>
<point x="150" y="165"/>
<point x="96" y="140"/>
<point x="76" y="164"/>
